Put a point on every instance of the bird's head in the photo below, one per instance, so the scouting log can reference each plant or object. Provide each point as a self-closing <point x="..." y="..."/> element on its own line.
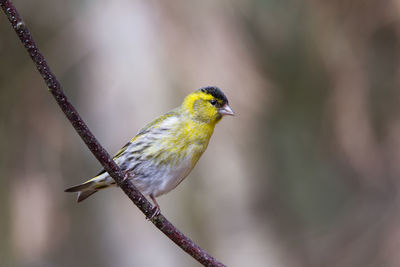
<point x="208" y="104"/>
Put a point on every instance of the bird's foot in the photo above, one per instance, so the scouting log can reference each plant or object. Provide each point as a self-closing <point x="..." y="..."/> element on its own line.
<point x="156" y="212"/>
<point x="156" y="208"/>
<point x="127" y="175"/>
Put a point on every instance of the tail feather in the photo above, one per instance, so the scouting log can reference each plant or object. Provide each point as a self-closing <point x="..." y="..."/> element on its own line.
<point x="84" y="190"/>
<point x="81" y="187"/>
<point x="92" y="186"/>
<point x="82" y="195"/>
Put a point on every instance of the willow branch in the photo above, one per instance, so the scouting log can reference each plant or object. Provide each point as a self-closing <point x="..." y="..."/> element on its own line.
<point x="98" y="151"/>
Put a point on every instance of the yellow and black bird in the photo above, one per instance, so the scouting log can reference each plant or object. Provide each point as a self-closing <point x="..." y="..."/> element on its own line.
<point x="164" y="152"/>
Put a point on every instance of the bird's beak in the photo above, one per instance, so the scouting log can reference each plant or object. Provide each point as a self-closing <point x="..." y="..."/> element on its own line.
<point x="226" y="110"/>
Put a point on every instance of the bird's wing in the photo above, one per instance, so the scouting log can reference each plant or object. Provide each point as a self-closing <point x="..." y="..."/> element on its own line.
<point x="158" y="122"/>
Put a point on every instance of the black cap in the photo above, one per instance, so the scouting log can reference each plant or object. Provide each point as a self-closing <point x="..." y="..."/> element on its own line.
<point x="215" y="92"/>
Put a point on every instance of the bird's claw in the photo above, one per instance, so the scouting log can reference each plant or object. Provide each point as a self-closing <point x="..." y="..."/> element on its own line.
<point x="156" y="212"/>
<point x="126" y="176"/>
<point x="156" y="207"/>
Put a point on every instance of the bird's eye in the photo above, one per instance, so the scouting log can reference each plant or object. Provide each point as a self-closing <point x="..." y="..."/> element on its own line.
<point x="213" y="102"/>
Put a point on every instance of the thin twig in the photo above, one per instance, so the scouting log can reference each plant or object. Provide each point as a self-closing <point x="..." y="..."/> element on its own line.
<point x="98" y="151"/>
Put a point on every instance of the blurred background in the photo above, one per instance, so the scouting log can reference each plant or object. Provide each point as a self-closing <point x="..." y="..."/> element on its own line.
<point x="306" y="174"/>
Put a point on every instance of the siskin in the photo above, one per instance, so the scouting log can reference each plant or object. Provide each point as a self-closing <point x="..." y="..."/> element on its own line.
<point x="164" y="152"/>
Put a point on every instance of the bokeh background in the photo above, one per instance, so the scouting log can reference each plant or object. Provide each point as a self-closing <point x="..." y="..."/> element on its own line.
<point x="306" y="174"/>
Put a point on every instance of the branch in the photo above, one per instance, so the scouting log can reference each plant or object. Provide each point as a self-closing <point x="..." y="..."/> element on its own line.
<point x="98" y="151"/>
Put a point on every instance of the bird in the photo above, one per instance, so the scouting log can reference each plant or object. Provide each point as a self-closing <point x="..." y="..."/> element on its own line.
<point x="164" y="152"/>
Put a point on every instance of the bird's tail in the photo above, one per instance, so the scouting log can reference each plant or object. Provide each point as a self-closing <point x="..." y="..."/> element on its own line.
<point x="91" y="186"/>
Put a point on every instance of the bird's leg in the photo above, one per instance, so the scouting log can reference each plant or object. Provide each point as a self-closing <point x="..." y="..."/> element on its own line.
<point x="127" y="175"/>
<point x="156" y="207"/>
